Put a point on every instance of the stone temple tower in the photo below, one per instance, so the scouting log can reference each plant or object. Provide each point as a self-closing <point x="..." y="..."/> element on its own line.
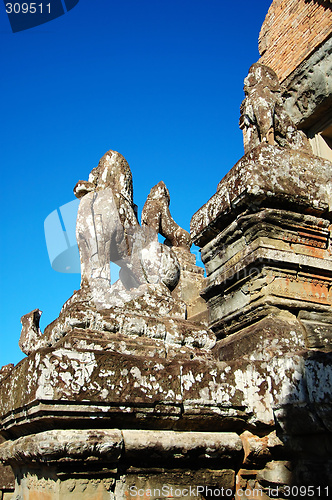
<point x="167" y="384"/>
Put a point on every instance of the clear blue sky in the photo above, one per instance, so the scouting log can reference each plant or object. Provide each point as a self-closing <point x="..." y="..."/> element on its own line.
<point x="160" y="81"/>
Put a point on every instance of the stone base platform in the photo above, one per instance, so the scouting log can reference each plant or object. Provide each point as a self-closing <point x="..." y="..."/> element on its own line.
<point x="95" y="422"/>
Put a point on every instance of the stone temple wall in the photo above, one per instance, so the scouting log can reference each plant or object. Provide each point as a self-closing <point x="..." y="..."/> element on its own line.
<point x="7" y="480"/>
<point x="268" y="294"/>
<point x="296" y="42"/>
<point x="167" y="384"/>
<point x="292" y="31"/>
<point x="126" y="395"/>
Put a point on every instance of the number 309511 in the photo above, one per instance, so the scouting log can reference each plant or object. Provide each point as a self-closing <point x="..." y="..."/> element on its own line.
<point x="27" y="8"/>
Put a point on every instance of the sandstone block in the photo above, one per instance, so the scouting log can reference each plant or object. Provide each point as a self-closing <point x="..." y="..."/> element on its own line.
<point x="276" y="473"/>
<point x="318" y="328"/>
<point x="277" y="333"/>
<point x="183" y="484"/>
<point x="266" y="175"/>
<point x="182" y="445"/>
<point x="64" y="445"/>
<point x="257" y="449"/>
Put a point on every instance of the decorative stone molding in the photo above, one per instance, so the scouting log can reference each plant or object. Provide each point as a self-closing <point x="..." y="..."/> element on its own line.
<point x="109" y="445"/>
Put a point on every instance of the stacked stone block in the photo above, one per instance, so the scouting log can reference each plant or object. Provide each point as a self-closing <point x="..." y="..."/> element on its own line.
<point x="292" y="31"/>
<point x="265" y="242"/>
<point x="265" y="238"/>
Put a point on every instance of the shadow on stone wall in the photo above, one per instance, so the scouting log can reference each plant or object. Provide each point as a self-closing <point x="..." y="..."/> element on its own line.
<point x="325" y="3"/>
<point x="304" y="424"/>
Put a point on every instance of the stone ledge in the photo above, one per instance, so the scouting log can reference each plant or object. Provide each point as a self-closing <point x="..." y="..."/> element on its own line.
<point x="208" y="445"/>
<point x="211" y="386"/>
<point x="110" y="445"/>
<point x="266" y="176"/>
<point x="279" y="229"/>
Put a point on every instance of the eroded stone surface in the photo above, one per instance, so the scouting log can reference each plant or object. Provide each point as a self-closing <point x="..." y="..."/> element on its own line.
<point x="273" y="258"/>
<point x="263" y="117"/>
<point x="109" y="444"/>
<point x="7" y="478"/>
<point x="184" y="484"/>
<point x="268" y="175"/>
<point x="107" y="231"/>
<point x="308" y="89"/>
<point x="265" y="240"/>
<point x="156" y="214"/>
<point x="67" y="445"/>
<point x="259" y="450"/>
<point x="5" y="371"/>
<point x="122" y="393"/>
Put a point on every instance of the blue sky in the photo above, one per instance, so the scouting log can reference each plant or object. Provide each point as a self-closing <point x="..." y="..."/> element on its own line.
<point x="160" y="81"/>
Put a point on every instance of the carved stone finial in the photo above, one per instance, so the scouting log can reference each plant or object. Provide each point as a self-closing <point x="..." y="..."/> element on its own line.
<point x="112" y="172"/>
<point x="263" y="117"/>
<point x="156" y="214"/>
<point x="30" y="333"/>
<point x="107" y="231"/>
<point x="5" y="370"/>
